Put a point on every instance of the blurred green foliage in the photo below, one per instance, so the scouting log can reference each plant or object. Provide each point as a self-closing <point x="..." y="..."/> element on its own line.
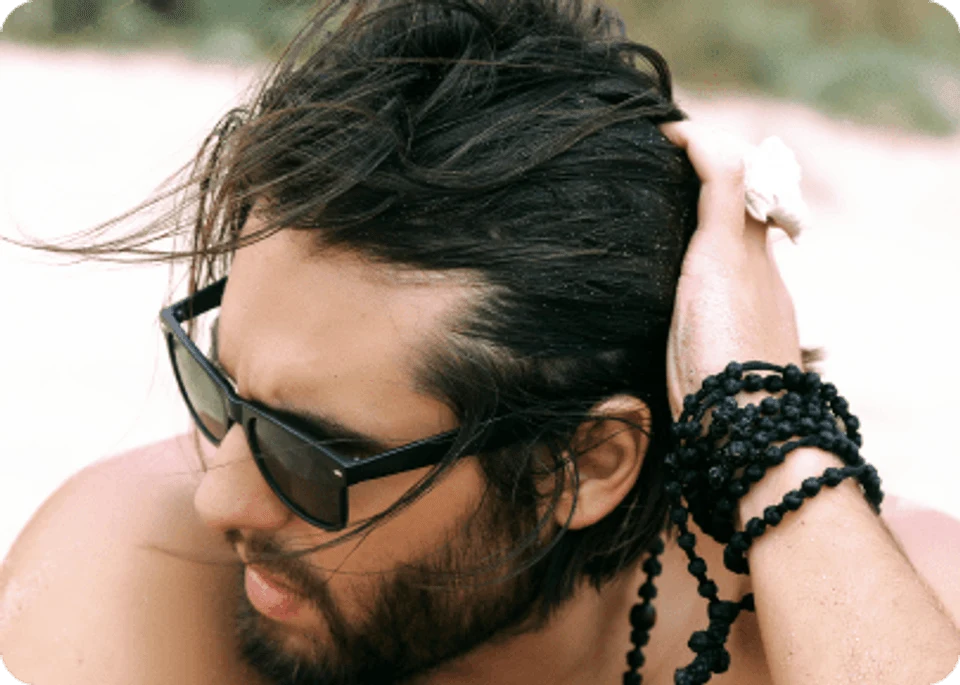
<point x="887" y="62"/>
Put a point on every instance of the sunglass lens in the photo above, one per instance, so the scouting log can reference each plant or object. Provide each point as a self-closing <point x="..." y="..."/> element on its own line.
<point x="301" y="473"/>
<point x="203" y="395"/>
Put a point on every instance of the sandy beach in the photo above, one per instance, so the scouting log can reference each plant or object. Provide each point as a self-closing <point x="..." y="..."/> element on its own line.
<point x="84" y="136"/>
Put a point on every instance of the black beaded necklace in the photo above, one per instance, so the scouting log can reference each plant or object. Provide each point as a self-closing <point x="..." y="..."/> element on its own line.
<point x="713" y="471"/>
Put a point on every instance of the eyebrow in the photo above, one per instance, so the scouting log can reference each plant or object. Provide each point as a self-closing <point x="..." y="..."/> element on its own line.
<point x="317" y="426"/>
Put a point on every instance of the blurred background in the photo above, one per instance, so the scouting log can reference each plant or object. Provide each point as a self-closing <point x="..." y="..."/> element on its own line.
<point x="101" y="100"/>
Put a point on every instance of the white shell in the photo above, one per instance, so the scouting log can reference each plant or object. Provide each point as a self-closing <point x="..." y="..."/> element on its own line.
<point x="772" y="180"/>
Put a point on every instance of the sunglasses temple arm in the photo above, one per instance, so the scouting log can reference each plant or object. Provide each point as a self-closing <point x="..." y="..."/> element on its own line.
<point x="390" y="463"/>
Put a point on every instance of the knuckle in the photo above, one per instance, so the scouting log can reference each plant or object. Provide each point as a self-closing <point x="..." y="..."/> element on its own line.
<point x="723" y="156"/>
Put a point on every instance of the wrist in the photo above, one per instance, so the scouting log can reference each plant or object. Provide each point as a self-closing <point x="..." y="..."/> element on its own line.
<point x="800" y="464"/>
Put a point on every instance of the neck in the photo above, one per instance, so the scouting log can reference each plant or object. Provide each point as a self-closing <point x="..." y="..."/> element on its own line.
<point x="587" y="639"/>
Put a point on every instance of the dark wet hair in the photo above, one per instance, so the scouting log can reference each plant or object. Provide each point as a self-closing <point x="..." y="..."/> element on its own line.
<point x="517" y="142"/>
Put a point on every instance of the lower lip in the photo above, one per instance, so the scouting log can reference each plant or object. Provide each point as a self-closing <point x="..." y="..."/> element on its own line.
<point x="271" y="599"/>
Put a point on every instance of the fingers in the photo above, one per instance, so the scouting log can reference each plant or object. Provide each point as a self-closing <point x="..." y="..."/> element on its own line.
<point x="718" y="159"/>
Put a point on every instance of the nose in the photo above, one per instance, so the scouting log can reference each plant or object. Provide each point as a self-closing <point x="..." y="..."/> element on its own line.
<point x="233" y="494"/>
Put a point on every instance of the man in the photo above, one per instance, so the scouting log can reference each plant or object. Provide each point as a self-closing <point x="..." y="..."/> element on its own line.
<point x="451" y="341"/>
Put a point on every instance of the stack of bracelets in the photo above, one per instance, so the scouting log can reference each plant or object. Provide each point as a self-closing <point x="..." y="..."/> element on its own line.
<point x="712" y="470"/>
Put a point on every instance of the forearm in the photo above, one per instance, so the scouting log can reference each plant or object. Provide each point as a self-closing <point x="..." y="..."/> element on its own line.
<point x="836" y="600"/>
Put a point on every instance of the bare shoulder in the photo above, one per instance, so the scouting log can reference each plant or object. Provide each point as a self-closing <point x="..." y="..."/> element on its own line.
<point x="931" y="541"/>
<point x="103" y="586"/>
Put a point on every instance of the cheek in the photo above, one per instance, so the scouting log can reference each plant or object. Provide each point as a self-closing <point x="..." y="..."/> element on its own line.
<point x="414" y="532"/>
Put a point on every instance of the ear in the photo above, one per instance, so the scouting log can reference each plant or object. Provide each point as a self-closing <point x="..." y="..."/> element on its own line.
<point x="609" y="454"/>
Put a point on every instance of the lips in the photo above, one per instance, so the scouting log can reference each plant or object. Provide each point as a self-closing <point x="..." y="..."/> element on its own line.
<point x="276" y="581"/>
<point x="271" y="597"/>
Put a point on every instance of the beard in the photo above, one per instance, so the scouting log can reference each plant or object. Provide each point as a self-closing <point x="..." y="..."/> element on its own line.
<point x="416" y="617"/>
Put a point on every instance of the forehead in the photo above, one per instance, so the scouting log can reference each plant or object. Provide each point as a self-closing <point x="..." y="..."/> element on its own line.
<point x="334" y="334"/>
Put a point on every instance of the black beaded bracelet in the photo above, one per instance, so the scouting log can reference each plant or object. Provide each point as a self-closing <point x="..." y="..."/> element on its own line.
<point x="713" y="468"/>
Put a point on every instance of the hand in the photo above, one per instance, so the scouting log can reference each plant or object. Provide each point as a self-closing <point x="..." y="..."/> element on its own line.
<point x="732" y="304"/>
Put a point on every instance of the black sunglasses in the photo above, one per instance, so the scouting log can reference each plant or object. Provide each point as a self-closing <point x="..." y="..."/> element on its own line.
<point x="306" y="474"/>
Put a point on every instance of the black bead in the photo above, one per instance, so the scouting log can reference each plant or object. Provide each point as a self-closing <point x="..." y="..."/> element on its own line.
<point x="785" y="429"/>
<point x="761" y="439"/>
<point x="825" y="441"/>
<point x="707" y="589"/>
<point x="697" y="567"/>
<point x="828" y="391"/>
<point x="734" y="561"/>
<point x="791" y="412"/>
<point x="737" y="449"/>
<point x="852" y="422"/>
<point x="793" y="499"/>
<point x="678" y="515"/>
<point x="648" y="591"/>
<point x="755" y="527"/>
<point x="653" y="567"/>
<point x="833" y="477"/>
<point x="841" y="447"/>
<point x="773" y="455"/>
<point x="687" y="541"/>
<point x="673" y="488"/>
<point x="754" y="473"/>
<point x="721" y="663"/>
<point x="769" y="406"/>
<point x="773" y="383"/>
<point x="717" y="476"/>
<point x="724" y="507"/>
<point x="643" y="616"/>
<point x="732" y="386"/>
<point x="700" y="641"/>
<point x="829" y="425"/>
<point x="737" y="489"/>
<point x="753" y="382"/>
<point x="723" y="611"/>
<point x="811" y="381"/>
<point x="740" y="542"/>
<point x="772" y="516"/>
<point x="640" y="638"/>
<point x="632" y="679"/>
<point x="635" y="659"/>
<point x="718" y="630"/>
<point x="810" y="487"/>
<point x="734" y="370"/>
<point x="792" y="377"/>
<point x="747" y="603"/>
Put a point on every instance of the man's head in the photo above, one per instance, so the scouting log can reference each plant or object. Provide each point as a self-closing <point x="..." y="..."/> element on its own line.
<point x="437" y="213"/>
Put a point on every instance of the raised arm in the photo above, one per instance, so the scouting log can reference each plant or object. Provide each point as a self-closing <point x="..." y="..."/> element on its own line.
<point x="836" y="600"/>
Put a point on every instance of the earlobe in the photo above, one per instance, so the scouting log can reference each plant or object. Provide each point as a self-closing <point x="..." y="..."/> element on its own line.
<point x="609" y="455"/>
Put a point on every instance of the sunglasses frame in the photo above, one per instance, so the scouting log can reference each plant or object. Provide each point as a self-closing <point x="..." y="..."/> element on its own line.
<point x="342" y="469"/>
